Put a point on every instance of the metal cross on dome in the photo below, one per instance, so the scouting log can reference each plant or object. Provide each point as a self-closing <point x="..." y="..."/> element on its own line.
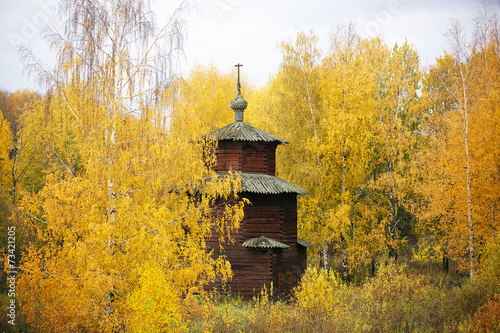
<point x="239" y="85"/>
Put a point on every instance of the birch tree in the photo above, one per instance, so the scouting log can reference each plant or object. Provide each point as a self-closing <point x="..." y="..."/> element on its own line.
<point x="349" y="105"/>
<point x="120" y="240"/>
<point x="461" y="191"/>
<point x="22" y="170"/>
<point x="397" y="135"/>
<point x="289" y="107"/>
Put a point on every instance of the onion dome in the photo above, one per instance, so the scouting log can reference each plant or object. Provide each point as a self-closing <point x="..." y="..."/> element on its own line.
<point x="238" y="104"/>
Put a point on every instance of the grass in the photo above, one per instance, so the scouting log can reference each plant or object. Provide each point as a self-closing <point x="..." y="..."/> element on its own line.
<point x="417" y="297"/>
<point x="400" y="298"/>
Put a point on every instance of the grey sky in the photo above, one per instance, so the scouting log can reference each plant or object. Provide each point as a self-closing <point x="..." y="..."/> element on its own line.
<point x="224" y="32"/>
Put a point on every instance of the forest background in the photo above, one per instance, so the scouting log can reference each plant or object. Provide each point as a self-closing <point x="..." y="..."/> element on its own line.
<point x="99" y="173"/>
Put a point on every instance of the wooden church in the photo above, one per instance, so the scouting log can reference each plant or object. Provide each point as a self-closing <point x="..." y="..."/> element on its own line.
<point x="266" y="248"/>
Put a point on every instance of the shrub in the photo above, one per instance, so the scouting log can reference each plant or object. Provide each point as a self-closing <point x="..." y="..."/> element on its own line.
<point x="487" y="318"/>
<point x="390" y="302"/>
<point x="321" y="292"/>
<point x="395" y="300"/>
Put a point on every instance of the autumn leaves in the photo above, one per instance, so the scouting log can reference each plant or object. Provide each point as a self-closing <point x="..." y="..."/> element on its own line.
<point x="395" y="157"/>
<point x="388" y="149"/>
<point x="115" y="236"/>
<point x="352" y="117"/>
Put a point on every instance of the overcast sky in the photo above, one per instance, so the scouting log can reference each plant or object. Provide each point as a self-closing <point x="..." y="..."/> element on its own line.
<point x="225" y="32"/>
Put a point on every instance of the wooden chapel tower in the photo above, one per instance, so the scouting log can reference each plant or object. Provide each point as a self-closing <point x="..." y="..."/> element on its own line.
<point x="266" y="247"/>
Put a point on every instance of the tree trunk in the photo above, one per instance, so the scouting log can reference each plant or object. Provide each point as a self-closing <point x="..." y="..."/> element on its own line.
<point x="393" y="252"/>
<point x="345" y="266"/>
<point x="325" y="256"/>
<point x="13" y="191"/>
<point x="468" y="187"/>
<point x="446" y="263"/>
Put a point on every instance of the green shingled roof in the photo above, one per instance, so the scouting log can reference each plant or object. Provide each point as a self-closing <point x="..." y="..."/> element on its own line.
<point x="264" y="243"/>
<point x="258" y="183"/>
<point x="303" y="243"/>
<point x="240" y="131"/>
<point x="267" y="184"/>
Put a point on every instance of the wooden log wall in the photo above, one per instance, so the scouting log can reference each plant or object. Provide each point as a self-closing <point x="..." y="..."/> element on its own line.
<point x="228" y="156"/>
<point x="246" y="157"/>
<point x="272" y="216"/>
<point x="218" y="212"/>
<point x="251" y="271"/>
<point x="253" y="268"/>
<point x="264" y="217"/>
<point x="289" y="202"/>
<point x="288" y="266"/>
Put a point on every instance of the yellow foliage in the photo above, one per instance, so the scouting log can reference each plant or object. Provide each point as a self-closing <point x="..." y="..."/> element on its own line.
<point x="120" y="226"/>
<point x="351" y="132"/>
<point x="154" y="304"/>
<point x="460" y="167"/>
<point x="5" y="148"/>
<point x="107" y="246"/>
<point x="201" y="101"/>
<point x="490" y="269"/>
<point x="321" y="290"/>
<point x="428" y="250"/>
